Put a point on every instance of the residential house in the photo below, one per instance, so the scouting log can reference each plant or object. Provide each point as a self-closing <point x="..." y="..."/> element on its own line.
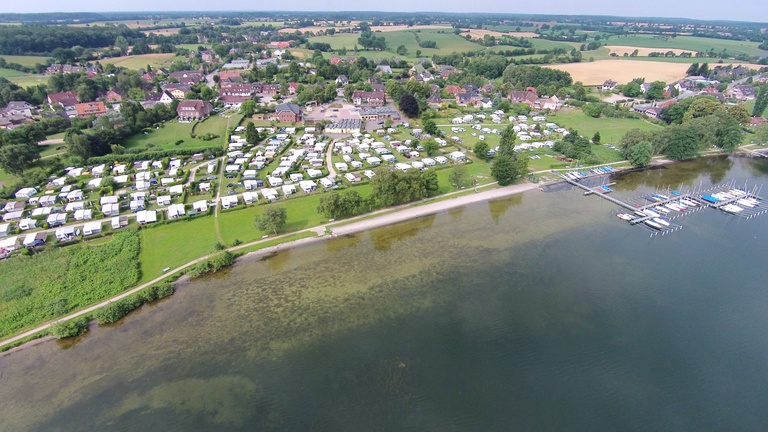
<point x="741" y="92"/>
<point x="114" y="95"/>
<point x="608" y="85"/>
<point x="342" y="80"/>
<point x="280" y="44"/>
<point x="288" y="112"/>
<point x="193" y="109"/>
<point x="18" y="108"/>
<point x="88" y="109"/>
<point x="178" y="91"/>
<point x="234" y="76"/>
<point x="434" y="101"/>
<point x="66" y="100"/>
<point x="187" y="77"/>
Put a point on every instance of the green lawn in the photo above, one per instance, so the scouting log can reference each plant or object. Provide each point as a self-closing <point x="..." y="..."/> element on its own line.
<point x="7" y="73"/>
<point x="611" y="130"/>
<point x="28" y="80"/>
<point x="175" y="244"/>
<point x="172" y="131"/>
<point x="27" y="61"/>
<point x="692" y="43"/>
<point x="141" y="61"/>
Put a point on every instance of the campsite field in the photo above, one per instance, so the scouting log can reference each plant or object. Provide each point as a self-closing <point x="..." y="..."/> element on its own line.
<point x="140" y="61"/>
<point x="611" y="129"/>
<point x="689" y="43"/>
<point x="622" y="71"/>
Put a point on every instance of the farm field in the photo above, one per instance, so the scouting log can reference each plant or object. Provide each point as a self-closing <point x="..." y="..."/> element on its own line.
<point x="27" y="61"/>
<point x="620" y="50"/>
<point x="175" y="244"/>
<point x="140" y="61"/>
<point x="163" y="32"/>
<point x="622" y="71"/>
<point x="447" y="42"/>
<point x="611" y="130"/>
<point x="690" y="43"/>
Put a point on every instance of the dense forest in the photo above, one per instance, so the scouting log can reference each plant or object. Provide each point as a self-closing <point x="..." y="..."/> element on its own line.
<point x="42" y="40"/>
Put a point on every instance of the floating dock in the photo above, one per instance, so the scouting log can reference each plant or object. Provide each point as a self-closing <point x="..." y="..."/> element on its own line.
<point x="656" y="211"/>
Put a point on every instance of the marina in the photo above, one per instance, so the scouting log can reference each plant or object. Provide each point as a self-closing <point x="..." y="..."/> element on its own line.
<point x="657" y="211"/>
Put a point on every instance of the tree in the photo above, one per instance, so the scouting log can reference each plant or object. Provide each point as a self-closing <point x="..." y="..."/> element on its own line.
<point x="248" y="108"/>
<point x="402" y="50"/>
<point x="761" y="102"/>
<point x="507" y="141"/>
<point x="681" y="142"/>
<point x="458" y="176"/>
<point x="251" y="134"/>
<point x="740" y="113"/>
<point x="631" y="89"/>
<point x="702" y="107"/>
<point x="639" y="155"/>
<point x="393" y="187"/>
<point x="596" y="138"/>
<point x="728" y="134"/>
<point x="430" y="127"/>
<point x="271" y="219"/>
<point x="16" y="158"/>
<point x="506" y="169"/>
<point x="431" y="147"/>
<point x="409" y="105"/>
<point x="656" y="90"/>
<point x="481" y="150"/>
<point x="761" y="133"/>
<point x="429" y="182"/>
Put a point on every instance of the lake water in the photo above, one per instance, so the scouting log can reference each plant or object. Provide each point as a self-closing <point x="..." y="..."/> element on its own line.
<point x="540" y="312"/>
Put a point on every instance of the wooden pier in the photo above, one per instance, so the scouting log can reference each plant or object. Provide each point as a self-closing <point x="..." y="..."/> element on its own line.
<point x="600" y="194"/>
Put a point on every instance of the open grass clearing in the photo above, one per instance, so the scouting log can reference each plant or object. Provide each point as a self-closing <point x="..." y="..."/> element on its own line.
<point x="175" y="244"/>
<point x="7" y="73"/>
<point x="136" y="62"/>
<point x="170" y="132"/>
<point x="28" y="80"/>
<point x="611" y="129"/>
<point x="27" y="61"/>
<point x="622" y="71"/>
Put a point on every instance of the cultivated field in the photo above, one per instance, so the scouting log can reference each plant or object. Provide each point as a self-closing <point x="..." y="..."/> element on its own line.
<point x="163" y="32"/>
<point x="620" y="50"/>
<point x="622" y="71"/>
<point x="391" y="28"/>
<point x="689" y="43"/>
<point x="140" y="61"/>
<point x="447" y="42"/>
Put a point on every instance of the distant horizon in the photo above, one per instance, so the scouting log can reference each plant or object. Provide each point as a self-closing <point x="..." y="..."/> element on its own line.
<point x="704" y="10"/>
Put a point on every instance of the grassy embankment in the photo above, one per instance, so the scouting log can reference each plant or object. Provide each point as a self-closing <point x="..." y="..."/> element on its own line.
<point x="61" y="280"/>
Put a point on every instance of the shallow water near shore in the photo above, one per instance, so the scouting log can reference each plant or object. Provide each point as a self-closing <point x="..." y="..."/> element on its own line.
<point x="542" y="311"/>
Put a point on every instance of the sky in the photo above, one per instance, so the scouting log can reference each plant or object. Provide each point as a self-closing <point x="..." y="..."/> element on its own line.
<point x="738" y="10"/>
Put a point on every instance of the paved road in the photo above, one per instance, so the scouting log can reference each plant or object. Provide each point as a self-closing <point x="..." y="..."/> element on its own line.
<point x="329" y="161"/>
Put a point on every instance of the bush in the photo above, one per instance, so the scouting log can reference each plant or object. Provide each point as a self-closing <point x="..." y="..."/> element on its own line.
<point x="70" y="328"/>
